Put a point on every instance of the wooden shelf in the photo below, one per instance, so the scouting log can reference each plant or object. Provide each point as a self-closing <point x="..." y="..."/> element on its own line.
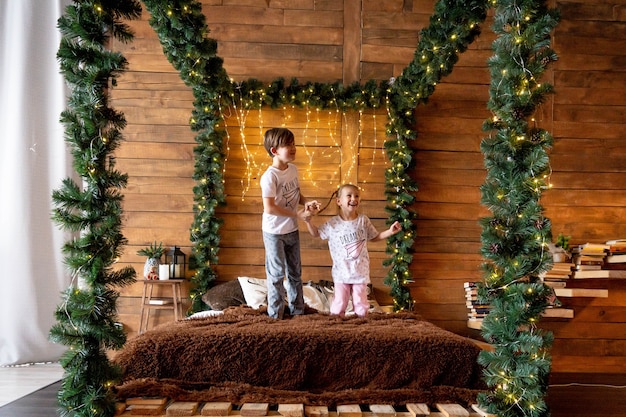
<point x="581" y="292"/>
<point x="562" y="313"/>
<point x="559" y="313"/>
<point x="475" y="324"/>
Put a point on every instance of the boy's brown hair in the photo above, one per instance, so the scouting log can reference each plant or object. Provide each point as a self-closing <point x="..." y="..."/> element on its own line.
<point x="277" y="137"/>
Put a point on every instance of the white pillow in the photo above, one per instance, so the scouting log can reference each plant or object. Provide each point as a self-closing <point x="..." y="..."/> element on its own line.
<point x="315" y="298"/>
<point x="205" y="314"/>
<point x="254" y="291"/>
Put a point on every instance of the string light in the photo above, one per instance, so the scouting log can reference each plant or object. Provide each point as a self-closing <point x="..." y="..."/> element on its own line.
<point x="341" y="141"/>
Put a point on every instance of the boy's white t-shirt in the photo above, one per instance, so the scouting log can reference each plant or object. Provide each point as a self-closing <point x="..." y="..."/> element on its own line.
<point x="283" y="187"/>
<point x="347" y="242"/>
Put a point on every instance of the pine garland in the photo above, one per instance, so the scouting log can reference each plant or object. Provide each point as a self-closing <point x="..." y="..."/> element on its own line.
<point x="453" y="26"/>
<point x="515" y="238"/>
<point x="181" y="28"/>
<point x="87" y="317"/>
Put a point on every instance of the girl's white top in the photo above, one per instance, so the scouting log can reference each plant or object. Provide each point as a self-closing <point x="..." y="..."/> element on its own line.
<point x="347" y="242"/>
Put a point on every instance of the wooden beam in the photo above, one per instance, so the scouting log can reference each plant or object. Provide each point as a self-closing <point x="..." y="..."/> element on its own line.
<point x="351" y="41"/>
<point x="349" y="147"/>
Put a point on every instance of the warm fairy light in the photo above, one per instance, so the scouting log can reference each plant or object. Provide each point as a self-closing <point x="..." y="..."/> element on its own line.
<point x="328" y="124"/>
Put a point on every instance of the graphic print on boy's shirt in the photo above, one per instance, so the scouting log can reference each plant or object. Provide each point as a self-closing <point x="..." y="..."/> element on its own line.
<point x="291" y="194"/>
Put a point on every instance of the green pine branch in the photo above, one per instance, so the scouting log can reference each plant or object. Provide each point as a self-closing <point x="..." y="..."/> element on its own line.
<point x="514" y="239"/>
<point x="86" y="319"/>
<point x="182" y="31"/>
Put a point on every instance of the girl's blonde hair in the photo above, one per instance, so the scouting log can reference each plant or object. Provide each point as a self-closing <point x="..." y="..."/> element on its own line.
<point x="344" y="186"/>
<point x="337" y="194"/>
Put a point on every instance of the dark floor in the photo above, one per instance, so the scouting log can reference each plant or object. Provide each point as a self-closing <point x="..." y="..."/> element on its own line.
<point x="597" y="396"/>
<point x="587" y="395"/>
<point x="42" y="403"/>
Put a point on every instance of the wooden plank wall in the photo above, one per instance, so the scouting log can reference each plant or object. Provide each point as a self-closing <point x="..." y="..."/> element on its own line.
<point x="330" y="41"/>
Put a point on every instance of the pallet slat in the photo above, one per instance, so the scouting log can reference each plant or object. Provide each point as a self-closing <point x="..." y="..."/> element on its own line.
<point x="349" y="410"/>
<point x="291" y="410"/>
<point x="218" y="409"/>
<point x="182" y="408"/>
<point x="418" y="410"/>
<point x="382" y="410"/>
<point x="316" y="411"/>
<point x="452" y="410"/>
<point x="482" y="412"/>
<point x="254" y="409"/>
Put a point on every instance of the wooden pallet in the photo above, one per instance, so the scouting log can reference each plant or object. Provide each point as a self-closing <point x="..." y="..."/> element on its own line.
<point x="142" y="407"/>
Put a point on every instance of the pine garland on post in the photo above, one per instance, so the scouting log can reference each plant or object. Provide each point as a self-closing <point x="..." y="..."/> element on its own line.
<point x="453" y="26"/>
<point x="515" y="237"/>
<point x="182" y="31"/>
<point x="87" y="316"/>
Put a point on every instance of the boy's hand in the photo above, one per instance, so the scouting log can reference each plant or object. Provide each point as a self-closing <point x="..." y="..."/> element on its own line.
<point x="305" y="215"/>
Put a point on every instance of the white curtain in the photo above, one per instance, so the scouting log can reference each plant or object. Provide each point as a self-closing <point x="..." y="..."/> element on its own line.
<point x="33" y="161"/>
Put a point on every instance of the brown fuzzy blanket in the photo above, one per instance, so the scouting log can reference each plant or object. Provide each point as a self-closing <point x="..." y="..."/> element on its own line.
<point x="245" y="356"/>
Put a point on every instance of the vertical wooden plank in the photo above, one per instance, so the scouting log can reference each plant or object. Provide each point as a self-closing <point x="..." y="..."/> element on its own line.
<point x="351" y="41"/>
<point x="349" y="147"/>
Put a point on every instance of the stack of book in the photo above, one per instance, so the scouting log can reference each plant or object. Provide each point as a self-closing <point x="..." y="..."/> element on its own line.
<point x="591" y="260"/>
<point x="477" y="310"/>
<point x="559" y="274"/>
<point x="616" y="254"/>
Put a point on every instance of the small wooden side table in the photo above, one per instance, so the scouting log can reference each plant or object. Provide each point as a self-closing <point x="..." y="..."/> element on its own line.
<point x="149" y="303"/>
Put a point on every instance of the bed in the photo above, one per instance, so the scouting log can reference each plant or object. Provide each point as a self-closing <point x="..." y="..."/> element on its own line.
<point x="241" y="355"/>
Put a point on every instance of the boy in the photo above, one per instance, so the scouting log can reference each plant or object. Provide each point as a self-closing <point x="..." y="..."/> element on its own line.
<point x="280" y="191"/>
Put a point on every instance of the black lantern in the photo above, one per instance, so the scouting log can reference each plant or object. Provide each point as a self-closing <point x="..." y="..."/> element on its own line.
<point x="176" y="259"/>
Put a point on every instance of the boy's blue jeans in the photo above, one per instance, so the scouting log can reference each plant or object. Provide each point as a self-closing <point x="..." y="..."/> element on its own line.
<point x="282" y="259"/>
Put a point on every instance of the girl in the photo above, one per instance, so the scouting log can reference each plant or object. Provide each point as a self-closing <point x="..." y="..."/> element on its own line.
<point x="347" y="234"/>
